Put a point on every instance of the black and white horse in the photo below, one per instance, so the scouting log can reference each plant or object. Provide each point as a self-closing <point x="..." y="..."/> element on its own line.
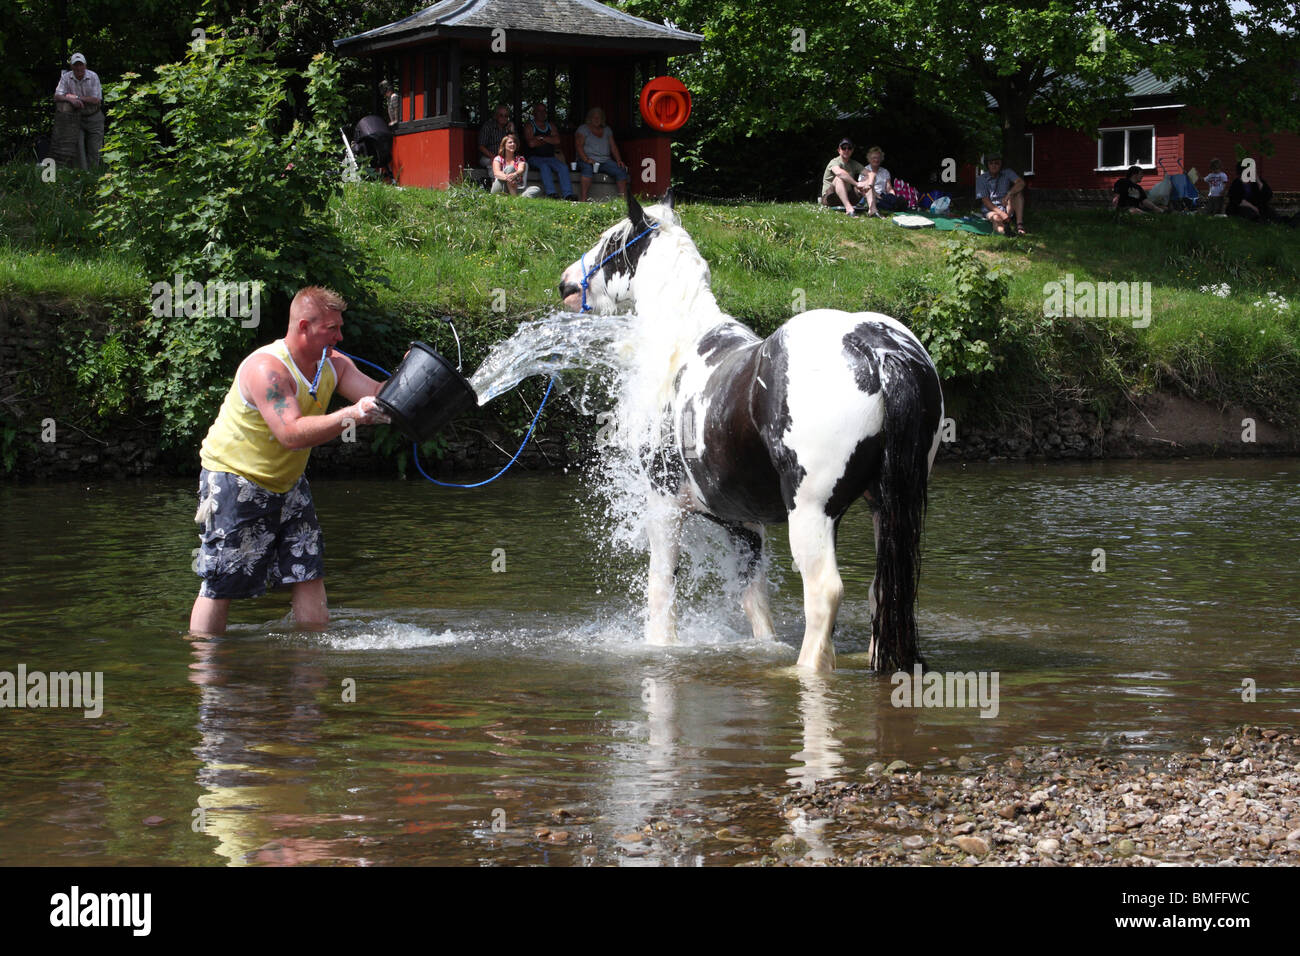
<point x="831" y="407"/>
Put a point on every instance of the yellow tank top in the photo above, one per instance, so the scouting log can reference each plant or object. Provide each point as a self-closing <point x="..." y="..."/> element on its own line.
<point x="240" y="441"/>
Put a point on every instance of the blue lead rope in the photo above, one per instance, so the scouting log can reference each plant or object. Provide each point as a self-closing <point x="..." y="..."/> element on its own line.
<point x="588" y="273"/>
<point x="415" y="446"/>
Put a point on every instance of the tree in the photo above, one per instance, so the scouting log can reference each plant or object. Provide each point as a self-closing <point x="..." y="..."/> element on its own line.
<point x="210" y="178"/>
<point x="1041" y="61"/>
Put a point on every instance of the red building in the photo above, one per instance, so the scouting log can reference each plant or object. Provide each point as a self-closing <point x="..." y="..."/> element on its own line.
<point x="453" y="62"/>
<point x="1161" y="132"/>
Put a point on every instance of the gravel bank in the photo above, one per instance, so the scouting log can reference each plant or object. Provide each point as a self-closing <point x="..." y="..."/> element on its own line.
<point x="1237" y="803"/>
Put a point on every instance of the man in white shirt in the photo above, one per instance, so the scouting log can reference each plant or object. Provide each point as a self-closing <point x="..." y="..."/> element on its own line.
<point x="79" y="92"/>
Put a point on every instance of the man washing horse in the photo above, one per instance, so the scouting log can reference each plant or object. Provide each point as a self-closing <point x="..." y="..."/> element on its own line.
<point x="258" y="522"/>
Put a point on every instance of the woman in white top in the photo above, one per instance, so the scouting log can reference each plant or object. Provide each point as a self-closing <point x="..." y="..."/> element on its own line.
<point x="881" y="194"/>
<point x="595" y="144"/>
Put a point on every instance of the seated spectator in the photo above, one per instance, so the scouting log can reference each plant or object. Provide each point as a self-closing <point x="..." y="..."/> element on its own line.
<point x="490" y="133"/>
<point x="543" y="141"/>
<point x="1217" y="180"/>
<point x="840" y="179"/>
<point x="594" y="142"/>
<point x="877" y="186"/>
<point x="1250" y="200"/>
<point x="1002" y="193"/>
<point x="1129" y="195"/>
<point x="510" y="171"/>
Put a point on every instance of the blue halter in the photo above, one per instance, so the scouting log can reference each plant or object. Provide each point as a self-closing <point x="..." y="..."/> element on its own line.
<point x="588" y="273"/>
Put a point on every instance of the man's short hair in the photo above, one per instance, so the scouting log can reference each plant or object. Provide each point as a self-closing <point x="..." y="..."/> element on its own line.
<point x="993" y="158"/>
<point x="319" y="296"/>
<point x="1135" y="168"/>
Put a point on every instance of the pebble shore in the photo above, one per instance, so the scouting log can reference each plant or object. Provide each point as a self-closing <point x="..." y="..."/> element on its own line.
<point x="1237" y="803"/>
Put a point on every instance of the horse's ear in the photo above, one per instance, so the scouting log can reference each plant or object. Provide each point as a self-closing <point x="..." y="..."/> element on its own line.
<point x="635" y="214"/>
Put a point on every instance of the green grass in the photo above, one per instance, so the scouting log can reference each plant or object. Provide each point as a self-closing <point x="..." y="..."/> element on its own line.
<point x="447" y="252"/>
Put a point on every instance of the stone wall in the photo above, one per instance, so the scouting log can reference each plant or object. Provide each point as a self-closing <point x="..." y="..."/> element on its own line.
<point x="1157" y="426"/>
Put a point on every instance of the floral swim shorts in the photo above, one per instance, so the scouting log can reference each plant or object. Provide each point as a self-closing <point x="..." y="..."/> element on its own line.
<point x="252" y="538"/>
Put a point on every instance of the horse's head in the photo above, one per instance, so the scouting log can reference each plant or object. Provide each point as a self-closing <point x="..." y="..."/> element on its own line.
<point x="606" y="278"/>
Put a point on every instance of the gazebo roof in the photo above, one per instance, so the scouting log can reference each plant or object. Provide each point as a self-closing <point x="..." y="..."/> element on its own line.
<point x="548" y="22"/>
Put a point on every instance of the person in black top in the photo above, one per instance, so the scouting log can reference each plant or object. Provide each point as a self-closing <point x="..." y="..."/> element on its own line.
<point x="543" y="141"/>
<point x="1250" y="200"/>
<point x="1129" y="195"/>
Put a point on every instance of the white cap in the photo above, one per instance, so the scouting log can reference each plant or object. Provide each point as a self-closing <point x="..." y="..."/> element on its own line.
<point x="76" y="58"/>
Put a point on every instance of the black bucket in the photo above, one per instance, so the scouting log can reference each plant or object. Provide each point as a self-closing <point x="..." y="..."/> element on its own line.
<point x="425" y="393"/>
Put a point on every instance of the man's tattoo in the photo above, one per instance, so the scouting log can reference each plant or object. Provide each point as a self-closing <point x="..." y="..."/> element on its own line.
<point x="275" y="395"/>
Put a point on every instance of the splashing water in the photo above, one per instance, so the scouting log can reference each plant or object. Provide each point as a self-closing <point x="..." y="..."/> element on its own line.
<point x="630" y="358"/>
<point x="561" y="341"/>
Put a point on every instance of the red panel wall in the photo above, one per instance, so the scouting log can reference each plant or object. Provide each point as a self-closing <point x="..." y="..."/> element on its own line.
<point x="1281" y="170"/>
<point x="425" y="158"/>
<point x="1066" y="159"/>
<point x="651" y="147"/>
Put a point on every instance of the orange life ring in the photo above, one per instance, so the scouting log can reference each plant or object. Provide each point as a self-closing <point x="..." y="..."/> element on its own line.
<point x="665" y="104"/>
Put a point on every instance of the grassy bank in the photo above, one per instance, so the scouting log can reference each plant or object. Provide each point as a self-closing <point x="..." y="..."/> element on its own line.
<point x="448" y="251"/>
<point x="491" y="260"/>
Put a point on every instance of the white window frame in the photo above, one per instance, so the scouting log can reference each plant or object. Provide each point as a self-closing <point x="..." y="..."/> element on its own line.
<point x="1128" y="131"/>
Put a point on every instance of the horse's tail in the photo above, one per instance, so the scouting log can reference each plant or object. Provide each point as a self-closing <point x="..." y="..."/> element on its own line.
<point x="901" y="503"/>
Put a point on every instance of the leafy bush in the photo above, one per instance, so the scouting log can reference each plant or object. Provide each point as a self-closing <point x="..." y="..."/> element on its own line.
<point x="963" y="326"/>
<point x="214" y="176"/>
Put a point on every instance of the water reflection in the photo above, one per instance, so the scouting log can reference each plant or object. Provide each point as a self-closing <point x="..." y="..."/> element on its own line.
<point x="259" y="735"/>
<point x="820" y="757"/>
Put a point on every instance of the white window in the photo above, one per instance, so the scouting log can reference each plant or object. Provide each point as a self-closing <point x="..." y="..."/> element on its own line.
<point x="1120" y="147"/>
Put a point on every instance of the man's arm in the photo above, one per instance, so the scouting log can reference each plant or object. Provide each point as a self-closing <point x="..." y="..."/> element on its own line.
<point x="353" y="384"/>
<point x="530" y="135"/>
<point x="267" y="384"/>
<point x="96" y="94"/>
<point x="63" y="92"/>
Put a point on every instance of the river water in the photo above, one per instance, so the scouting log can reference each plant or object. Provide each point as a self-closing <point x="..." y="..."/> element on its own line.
<point x="483" y="680"/>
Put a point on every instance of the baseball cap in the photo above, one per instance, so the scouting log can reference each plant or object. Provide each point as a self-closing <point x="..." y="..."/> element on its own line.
<point x="76" y="58"/>
<point x="846" y="141"/>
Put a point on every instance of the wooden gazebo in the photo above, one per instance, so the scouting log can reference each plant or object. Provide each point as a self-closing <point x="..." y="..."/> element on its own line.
<point x="453" y="62"/>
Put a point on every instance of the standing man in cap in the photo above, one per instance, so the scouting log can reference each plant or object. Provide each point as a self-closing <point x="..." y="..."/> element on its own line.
<point x="79" y="89"/>
<point x="841" y="178"/>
